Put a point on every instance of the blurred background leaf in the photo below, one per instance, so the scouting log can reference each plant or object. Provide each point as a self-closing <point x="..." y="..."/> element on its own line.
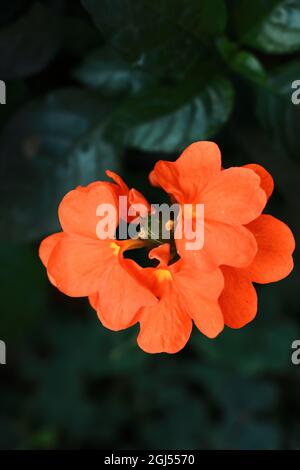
<point x="198" y="18"/>
<point x="131" y="27"/>
<point x="21" y="53"/>
<point x="242" y="62"/>
<point x="22" y="307"/>
<point x="278" y="115"/>
<point x="166" y="120"/>
<point x="271" y="26"/>
<point x="49" y="147"/>
<point x="120" y="84"/>
<point x="104" y="70"/>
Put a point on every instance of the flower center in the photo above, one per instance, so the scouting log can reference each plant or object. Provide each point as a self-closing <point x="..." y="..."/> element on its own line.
<point x="163" y="275"/>
<point x="151" y="232"/>
<point x="115" y="247"/>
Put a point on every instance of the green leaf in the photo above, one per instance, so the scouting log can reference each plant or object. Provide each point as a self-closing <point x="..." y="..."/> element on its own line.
<point x="167" y="120"/>
<point x="202" y="19"/>
<point x="281" y="120"/>
<point x="28" y="45"/>
<point x="161" y="62"/>
<point x="130" y="26"/>
<point x="146" y="37"/>
<point x="240" y="61"/>
<point x="104" y="70"/>
<point x="49" y="147"/>
<point x="271" y="26"/>
<point x="246" y="64"/>
<point x="278" y="115"/>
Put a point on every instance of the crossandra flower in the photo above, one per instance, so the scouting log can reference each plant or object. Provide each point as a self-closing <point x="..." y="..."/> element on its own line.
<point x="247" y="245"/>
<point x="209" y="286"/>
<point x="231" y="198"/>
<point x="186" y="294"/>
<point x="80" y="264"/>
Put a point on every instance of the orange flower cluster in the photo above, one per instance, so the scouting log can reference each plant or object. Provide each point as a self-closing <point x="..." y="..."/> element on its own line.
<point x="210" y="287"/>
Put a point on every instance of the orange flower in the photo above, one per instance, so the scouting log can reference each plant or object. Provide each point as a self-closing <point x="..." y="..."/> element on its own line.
<point x="80" y="264"/>
<point x="210" y="287"/>
<point x="248" y="246"/>
<point x="167" y="325"/>
<point x="186" y="294"/>
<point x="231" y="198"/>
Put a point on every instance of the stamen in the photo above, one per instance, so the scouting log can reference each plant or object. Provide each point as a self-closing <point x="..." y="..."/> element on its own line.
<point x="169" y="225"/>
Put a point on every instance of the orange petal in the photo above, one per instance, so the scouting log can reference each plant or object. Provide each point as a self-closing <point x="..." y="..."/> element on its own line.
<point x="229" y="244"/>
<point x="166" y="175"/>
<point x="153" y="180"/>
<point x="186" y="177"/>
<point x="161" y="253"/>
<point x="165" y="327"/>
<point x="193" y="284"/>
<point x="276" y="244"/>
<point x="200" y="258"/>
<point x="208" y="318"/>
<point x="78" y="209"/>
<point x="86" y="189"/>
<point x="199" y="293"/>
<point x="48" y="245"/>
<point x="185" y="293"/>
<point x="46" y="248"/>
<point x="119" y="181"/>
<point x="234" y="197"/>
<point x="200" y="157"/>
<point x="121" y="296"/>
<point x="83" y="267"/>
<point x="238" y="300"/>
<point x="136" y="198"/>
<point x="93" y="299"/>
<point x="77" y="263"/>
<point x="266" y="180"/>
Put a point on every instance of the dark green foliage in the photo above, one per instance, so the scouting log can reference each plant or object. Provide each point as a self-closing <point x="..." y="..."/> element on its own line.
<point x="22" y="54"/>
<point x="119" y="84"/>
<point x="271" y="26"/>
<point x="50" y="146"/>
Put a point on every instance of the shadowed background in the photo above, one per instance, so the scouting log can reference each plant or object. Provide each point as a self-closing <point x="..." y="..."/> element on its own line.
<point x="120" y="84"/>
